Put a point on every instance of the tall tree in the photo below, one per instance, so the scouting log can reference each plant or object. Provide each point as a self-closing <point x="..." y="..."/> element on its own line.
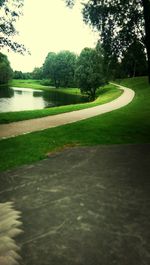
<point x="10" y="10"/>
<point x="5" y="69"/>
<point x="66" y="61"/>
<point x="134" y="61"/>
<point x="60" y="68"/>
<point x="50" y="68"/>
<point x="37" y="73"/>
<point x="119" y="22"/>
<point x="89" y="71"/>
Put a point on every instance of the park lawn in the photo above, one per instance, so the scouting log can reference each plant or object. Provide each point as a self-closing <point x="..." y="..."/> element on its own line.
<point x="104" y="95"/>
<point x="130" y="124"/>
<point x="36" y="84"/>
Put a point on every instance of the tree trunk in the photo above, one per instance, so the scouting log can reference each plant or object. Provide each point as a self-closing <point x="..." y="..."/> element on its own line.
<point x="134" y="69"/>
<point x="92" y="94"/>
<point x="146" y="7"/>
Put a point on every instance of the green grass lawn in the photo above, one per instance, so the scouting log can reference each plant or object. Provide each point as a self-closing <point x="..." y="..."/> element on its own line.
<point x="36" y="84"/>
<point x="105" y="94"/>
<point x="130" y="124"/>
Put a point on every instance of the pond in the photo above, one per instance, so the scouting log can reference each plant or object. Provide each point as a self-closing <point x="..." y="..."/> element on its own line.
<point x="18" y="99"/>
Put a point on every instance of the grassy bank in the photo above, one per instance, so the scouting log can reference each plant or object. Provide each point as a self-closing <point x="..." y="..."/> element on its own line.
<point x="131" y="124"/>
<point x="36" y="84"/>
<point x="105" y="94"/>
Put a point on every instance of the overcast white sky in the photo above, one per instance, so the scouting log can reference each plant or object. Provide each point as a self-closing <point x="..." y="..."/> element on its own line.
<point x="48" y="25"/>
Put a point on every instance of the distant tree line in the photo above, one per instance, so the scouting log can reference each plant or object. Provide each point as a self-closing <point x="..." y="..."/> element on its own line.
<point x="22" y="75"/>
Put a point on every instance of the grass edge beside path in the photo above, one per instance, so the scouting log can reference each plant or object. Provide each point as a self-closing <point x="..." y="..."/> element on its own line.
<point x="104" y="95"/>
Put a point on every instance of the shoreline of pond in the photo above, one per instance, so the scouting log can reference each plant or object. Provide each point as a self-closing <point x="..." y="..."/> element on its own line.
<point x="24" y="99"/>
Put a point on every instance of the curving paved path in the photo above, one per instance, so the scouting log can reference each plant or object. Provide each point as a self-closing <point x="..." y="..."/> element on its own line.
<point x="27" y="126"/>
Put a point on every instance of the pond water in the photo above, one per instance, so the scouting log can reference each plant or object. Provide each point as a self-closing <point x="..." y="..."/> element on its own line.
<point x="18" y="99"/>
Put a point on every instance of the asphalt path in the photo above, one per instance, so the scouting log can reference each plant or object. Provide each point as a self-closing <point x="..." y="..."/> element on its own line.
<point x="82" y="206"/>
<point x="23" y="127"/>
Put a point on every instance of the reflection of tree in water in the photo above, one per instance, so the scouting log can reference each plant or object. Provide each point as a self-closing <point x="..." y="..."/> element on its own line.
<point x="55" y="98"/>
<point x="12" y="99"/>
<point x="37" y="93"/>
<point x="19" y="92"/>
<point x="6" y="92"/>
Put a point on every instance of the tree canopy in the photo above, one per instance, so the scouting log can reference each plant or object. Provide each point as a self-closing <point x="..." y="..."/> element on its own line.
<point x="5" y="69"/>
<point x="9" y="13"/>
<point x="60" y="68"/>
<point x="89" y="71"/>
<point x="49" y="68"/>
<point x="119" y="22"/>
<point x="134" y="61"/>
<point x="37" y="73"/>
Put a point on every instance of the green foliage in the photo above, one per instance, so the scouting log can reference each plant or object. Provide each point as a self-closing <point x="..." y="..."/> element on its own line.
<point x="5" y="69"/>
<point x="10" y="11"/>
<point x="49" y="68"/>
<point x="20" y="75"/>
<point x="134" y="61"/>
<point x="66" y="61"/>
<point x="120" y="23"/>
<point x="60" y="68"/>
<point x="46" y="82"/>
<point x="27" y="75"/>
<point x="89" y="71"/>
<point x="37" y="73"/>
<point x="70" y="3"/>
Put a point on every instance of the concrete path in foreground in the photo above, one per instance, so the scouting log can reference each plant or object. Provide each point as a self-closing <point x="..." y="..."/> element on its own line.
<point x="83" y="206"/>
<point x="27" y="126"/>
